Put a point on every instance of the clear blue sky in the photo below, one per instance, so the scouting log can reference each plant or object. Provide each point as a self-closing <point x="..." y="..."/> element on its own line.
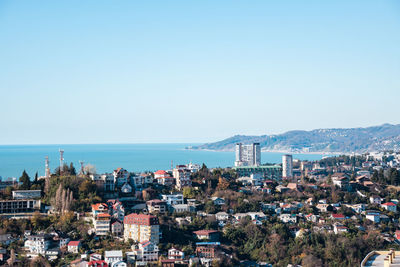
<point x="194" y="71"/>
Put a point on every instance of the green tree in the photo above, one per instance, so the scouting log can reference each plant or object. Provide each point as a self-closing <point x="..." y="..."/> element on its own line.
<point x="25" y="181"/>
<point x="72" y="170"/>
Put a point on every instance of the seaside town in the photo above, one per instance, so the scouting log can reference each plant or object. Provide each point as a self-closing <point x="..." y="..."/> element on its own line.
<point x="337" y="211"/>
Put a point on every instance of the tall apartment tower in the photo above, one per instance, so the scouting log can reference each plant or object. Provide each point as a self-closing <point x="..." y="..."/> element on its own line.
<point x="287" y="166"/>
<point x="248" y="155"/>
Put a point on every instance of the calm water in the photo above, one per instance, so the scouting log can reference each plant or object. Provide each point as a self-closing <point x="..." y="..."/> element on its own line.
<point x="133" y="157"/>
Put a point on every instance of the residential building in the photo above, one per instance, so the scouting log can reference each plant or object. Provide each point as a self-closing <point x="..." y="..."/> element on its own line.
<point x="375" y="200"/>
<point x="211" y="235"/>
<point x="221" y="216"/>
<point x="173" y="199"/>
<point x="147" y="252"/>
<point x="156" y="206"/>
<point x="287" y="166"/>
<point x="121" y="177"/>
<point x="273" y="172"/>
<point x="207" y="249"/>
<point x="248" y="155"/>
<point x="117" y="228"/>
<point x="389" y="206"/>
<point x="164" y="178"/>
<point x="288" y="218"/>
<point x="112" y="256"/>
<point x="175" y="254"/>
<point x="116" y="209"/>
<point x="74" y="246"/>
<point x="38" y="244"/>
<point x="101" y="223"/>
<point x="141" y="227"/>
<point x="373" y="216"/>
<point x="97" y="263"/>
<point x="26" y="194"/>
<point x="126" y="188"/>
<point x="19" y="206"/>
<point x="99" y="208"/>
<point x="104" y="182"/>
<point x="182" y="177"/>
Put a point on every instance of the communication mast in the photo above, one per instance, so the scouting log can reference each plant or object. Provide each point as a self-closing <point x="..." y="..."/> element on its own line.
<point x="61" y="160"/>
<point x="82" y="167"/>
<point x="47" y="167"/>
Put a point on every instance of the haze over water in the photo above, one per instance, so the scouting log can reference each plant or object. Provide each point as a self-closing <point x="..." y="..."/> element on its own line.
<point x="107" y="157"/>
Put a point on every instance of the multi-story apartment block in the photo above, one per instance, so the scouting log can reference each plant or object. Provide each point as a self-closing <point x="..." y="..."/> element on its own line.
<point x="141" y="227"/>
<point x="287" y="166"/>
<point x="101" y="223"/>
<point x="38" y="244"/>
<point x="248" y="155"/>
<point x="182" y="177"/>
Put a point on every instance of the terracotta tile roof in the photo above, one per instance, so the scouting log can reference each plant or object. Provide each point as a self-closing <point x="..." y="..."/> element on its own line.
<point x="74" y="243"/>
<point x="97" y="206"/>
<point x="389" y="204"/>
<point x="140" y="219"/>
<point x="205" y="232"/>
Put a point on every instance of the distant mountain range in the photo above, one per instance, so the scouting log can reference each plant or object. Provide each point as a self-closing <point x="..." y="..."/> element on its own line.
<point x="359" y="140"/>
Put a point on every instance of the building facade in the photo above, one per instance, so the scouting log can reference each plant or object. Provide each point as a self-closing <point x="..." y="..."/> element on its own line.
<point x="141" y="227"/>
<point x="287" y="166"/>
<point x="248" y="155"/>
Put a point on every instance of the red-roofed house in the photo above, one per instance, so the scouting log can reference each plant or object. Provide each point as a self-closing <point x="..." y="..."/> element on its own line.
<point x="99" y="263"/>
<point x="99" y="208"/>
<point x="397" y="234"/>
<point x="389" y="206"/>
<point x="211" y="235"/>
<point x="74" y="246"/>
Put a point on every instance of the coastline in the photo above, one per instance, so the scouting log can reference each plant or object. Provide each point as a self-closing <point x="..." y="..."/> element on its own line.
<point x="276" y="151"/>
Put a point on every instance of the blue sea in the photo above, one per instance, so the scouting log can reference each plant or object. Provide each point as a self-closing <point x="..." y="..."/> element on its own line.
<point x="107" y="157"/>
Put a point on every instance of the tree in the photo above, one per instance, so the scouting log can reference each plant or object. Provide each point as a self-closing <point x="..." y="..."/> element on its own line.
<point x="36" y="178"/>
<point x="25" y="181"/>
<point x="223" y="184"/>
<point x="72" y="170"/>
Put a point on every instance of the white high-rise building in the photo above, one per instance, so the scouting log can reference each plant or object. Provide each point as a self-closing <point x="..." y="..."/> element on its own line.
<point x="287" y="166"/>
<point x="248" y="155"/>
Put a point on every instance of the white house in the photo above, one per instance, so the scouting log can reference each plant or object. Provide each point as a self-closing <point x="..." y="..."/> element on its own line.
<point x="175" y="254"/>
<point x="147" y="252"/>
<point x="38" y="244"/>
<point x="288" y="218"/>
<point x="74" y="246"/>
<point x="112" y="256"/>
<point x="173" y="199"/>
<point x="222" y="216"/>
<point x="375" y="200"/>
<point x="218" y="201"/>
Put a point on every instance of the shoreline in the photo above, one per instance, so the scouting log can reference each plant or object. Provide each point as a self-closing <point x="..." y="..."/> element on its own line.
<point x="276" y="151"/>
